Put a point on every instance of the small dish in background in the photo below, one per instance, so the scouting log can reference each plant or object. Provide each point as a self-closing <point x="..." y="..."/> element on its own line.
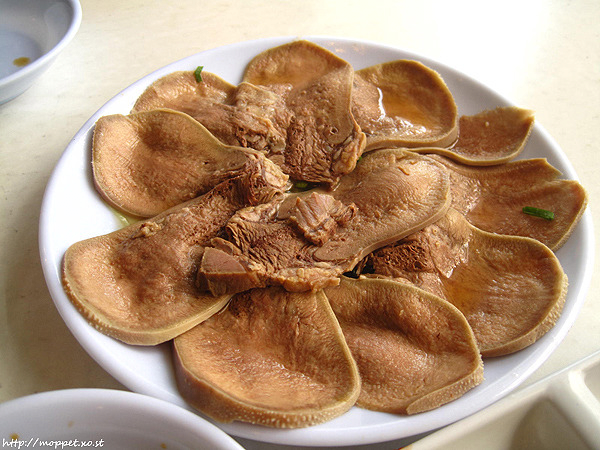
<point x="559" y="411"/>
<point x="32" y="34"/>
<point x="104" y="418"/>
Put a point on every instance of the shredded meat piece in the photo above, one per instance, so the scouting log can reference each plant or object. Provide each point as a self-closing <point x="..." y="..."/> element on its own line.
<point x="263" y="250"/>
<point x="306" y="241"/>
<point x="256" y="118"/>
<point x="323" y="139"/>
<point x="318" y="216"/>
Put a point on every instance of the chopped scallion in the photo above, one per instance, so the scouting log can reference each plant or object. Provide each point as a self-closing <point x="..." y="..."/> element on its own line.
<point x="301" y="186"/>
<point x="198" y="73"/>
<point x="538" y="212"/>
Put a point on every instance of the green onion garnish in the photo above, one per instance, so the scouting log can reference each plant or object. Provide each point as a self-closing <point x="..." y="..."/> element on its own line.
<point x="198" y="73"/>
<point x="301" y="186"/>
<point x="543" y="213"/>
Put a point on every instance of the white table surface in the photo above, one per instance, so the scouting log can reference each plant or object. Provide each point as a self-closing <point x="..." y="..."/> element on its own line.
<point x="543" y="55"/>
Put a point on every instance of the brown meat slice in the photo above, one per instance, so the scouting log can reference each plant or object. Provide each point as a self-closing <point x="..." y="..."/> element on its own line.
<point x="414" y="350"/>
<point x="148" y="162"/>
<point x="272" y="358"/>
<point x="264" y="249"/>
<point x="300" y="118"/>
<point x="305" y="241"/>
<point x="492" y="198"/>
<point x="137" y="284"/>
<point x="181" y="91"/>
<point x="323" y="139"/>
<point x="511" y="289"/>
<point x="489" y="137"/>
<point x="318" y="216"/>
<point x="404" y="103"/>
<point x="245" y="115"/>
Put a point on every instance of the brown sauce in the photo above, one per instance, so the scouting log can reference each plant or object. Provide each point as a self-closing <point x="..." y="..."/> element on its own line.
<point x="22" y="61"/>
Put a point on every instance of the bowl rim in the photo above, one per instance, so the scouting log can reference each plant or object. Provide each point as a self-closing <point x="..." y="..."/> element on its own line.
<point x="47" y="57"/>
<point x="99" y="409"/>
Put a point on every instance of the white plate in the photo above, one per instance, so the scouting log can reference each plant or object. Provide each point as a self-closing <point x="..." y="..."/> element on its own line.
<point x="72" y="210"/>
<point x="102" y="418"/>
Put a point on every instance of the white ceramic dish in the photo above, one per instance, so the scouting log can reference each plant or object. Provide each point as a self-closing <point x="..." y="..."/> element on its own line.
<point x="32" y="34"/>
<point x="102" y="418"/>
<point x="72" y="211"/>
<point x="560" y="411"/>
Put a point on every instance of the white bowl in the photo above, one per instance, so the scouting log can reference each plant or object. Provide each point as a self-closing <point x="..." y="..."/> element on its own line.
<point x="32" y="34"/>
<point x="103" y="418"/>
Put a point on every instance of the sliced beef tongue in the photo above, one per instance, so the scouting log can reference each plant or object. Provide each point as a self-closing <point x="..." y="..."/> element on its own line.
<point x="294" y="105"/>
<point x="511" y="289"/>
<point x="150" y="161"/>
<point x="493" y="197"/>
<point x="323" y="139"/>
<point x="306" y="241"/>
<point x="404" y="103"/>
<point x="138" y="284"/>
<point x="244" y="115"/>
